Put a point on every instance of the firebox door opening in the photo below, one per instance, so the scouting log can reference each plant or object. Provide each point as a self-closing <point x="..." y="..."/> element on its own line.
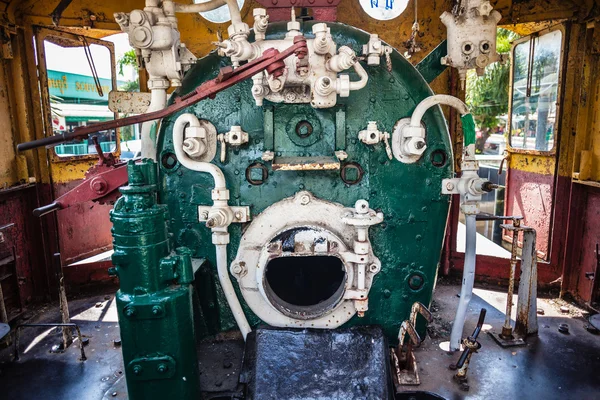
<point x="305" y="287"/>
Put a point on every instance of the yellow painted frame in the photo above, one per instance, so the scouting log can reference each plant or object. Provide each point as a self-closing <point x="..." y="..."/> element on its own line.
<point x="557" y="123"/>
<point x="41" y="34"/>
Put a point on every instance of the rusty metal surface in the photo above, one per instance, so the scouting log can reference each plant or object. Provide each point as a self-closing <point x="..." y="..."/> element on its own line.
<point x="588" y="260"/>
<point x="531" y="195"/>
<point x="128" y="102"/>
<point x="83" y="229"/>
<point x="101" y="187"/>
<point x="305" y="163"/>
<point x="322" y="10"/>
<point x="22" y="240"/>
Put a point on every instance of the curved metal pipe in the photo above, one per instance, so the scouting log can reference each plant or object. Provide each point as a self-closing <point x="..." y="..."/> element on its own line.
<point x="199" y="7"/>
<point x="441" y="99"/>
<point x="178" y="132"/>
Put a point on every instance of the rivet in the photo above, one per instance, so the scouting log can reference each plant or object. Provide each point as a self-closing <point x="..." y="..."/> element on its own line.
<point x="236" y="172"/>
<point x="137" y="369"/>
<point x="156" y="310"/>
<point x="162" y="368"/>
<point x="386" y="293"/>
<point x="419" y="238"/>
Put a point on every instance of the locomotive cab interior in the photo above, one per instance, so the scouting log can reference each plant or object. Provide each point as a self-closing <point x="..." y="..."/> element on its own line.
<point x="283" y="199"/>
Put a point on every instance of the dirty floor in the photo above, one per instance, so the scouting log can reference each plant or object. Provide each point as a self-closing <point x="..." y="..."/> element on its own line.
<point x="552" y="365"/>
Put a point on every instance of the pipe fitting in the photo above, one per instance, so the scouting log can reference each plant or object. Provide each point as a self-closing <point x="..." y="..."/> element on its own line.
<point x="261" y="22"/>
<point x="342" y="61"/>
<point x="322" y="41"/>
<point x="194" y="147"/>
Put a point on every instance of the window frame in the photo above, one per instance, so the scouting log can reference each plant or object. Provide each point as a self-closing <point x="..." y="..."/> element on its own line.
<point x="559" y="92"/>
<point x="41" y="34"/>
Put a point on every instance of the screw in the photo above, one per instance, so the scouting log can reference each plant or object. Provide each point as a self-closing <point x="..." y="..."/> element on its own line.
<point x="450" y="186"/>
<point x="373" y="267"/>
<point x="239" y="215"/>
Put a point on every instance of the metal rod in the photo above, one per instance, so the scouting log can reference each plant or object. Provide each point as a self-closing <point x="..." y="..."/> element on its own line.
<point x="50" y="325"/>
<point x="64" y="305"/>
<point x="506" y="328"/>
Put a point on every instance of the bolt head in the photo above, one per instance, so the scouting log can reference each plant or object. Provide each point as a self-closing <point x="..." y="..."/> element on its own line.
<point x="162" y="368"/>
<point x="156" y="310"/>
<point x="236" y="269"/>
<point x="140" y="35"/>
<point x="305" y="199"/>
<point x="450" y="186"/>
<point x="137" y="369"/>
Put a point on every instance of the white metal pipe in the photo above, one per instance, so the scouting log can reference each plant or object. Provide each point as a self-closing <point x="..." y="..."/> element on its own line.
<point x="200" y="7"/>
<point x="466" y="291"/>
<point x="230" y="295"/>
<point x="364" y="77"/>
<point x="441" y="99"/>
<point x="178" y="132"/>
<point x="234" y="12"/>
<point x="158" y="101"/>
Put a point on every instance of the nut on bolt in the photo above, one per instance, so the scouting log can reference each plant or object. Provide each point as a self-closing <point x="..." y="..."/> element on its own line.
<point x="305" y="199"/>
<point x="162" y="368"/>
<point x="238" y="268"/>
<point x="129" y="311"/>
<point x="137" y="369"/>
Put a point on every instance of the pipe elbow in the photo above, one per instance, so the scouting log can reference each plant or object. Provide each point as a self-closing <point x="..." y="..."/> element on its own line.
<point x="438" y="99"/>
<point x="178" y="133"/>
<point x="364" y="78"/>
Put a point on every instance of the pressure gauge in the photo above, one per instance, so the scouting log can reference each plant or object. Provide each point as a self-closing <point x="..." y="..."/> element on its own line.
<point x="383" y="10"/>
<point x="220" y="14"/>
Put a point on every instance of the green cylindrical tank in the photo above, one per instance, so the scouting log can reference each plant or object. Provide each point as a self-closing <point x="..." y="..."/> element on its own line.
<point x="408" y="242"/>
<point x="154" y="300"/>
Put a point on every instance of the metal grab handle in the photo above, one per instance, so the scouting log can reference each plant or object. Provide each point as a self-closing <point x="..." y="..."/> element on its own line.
<point x="47" y="209"/>
<point x="48" y="141"/>
<point x="501" y="167"/>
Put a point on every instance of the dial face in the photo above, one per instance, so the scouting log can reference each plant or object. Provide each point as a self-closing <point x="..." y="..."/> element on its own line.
<point x="383" y="10"/>
<point x="220" y="14"/>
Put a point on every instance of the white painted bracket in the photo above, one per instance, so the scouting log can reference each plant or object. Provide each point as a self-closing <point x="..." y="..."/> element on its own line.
<point x="241" y="214"/>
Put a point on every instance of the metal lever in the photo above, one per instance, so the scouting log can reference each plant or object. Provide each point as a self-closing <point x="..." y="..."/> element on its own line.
<point x="471" y="347"/>
<point x="47" y="209"/>
<point x="271" y="61"/>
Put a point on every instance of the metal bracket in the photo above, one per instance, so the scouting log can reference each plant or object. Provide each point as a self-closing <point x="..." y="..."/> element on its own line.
<point x="128" y="102"/>
<point x="403" y="358"/>
<point x="526" y="321"/>
<point x="151" y="368"/>
<point x="241" y="214"/>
